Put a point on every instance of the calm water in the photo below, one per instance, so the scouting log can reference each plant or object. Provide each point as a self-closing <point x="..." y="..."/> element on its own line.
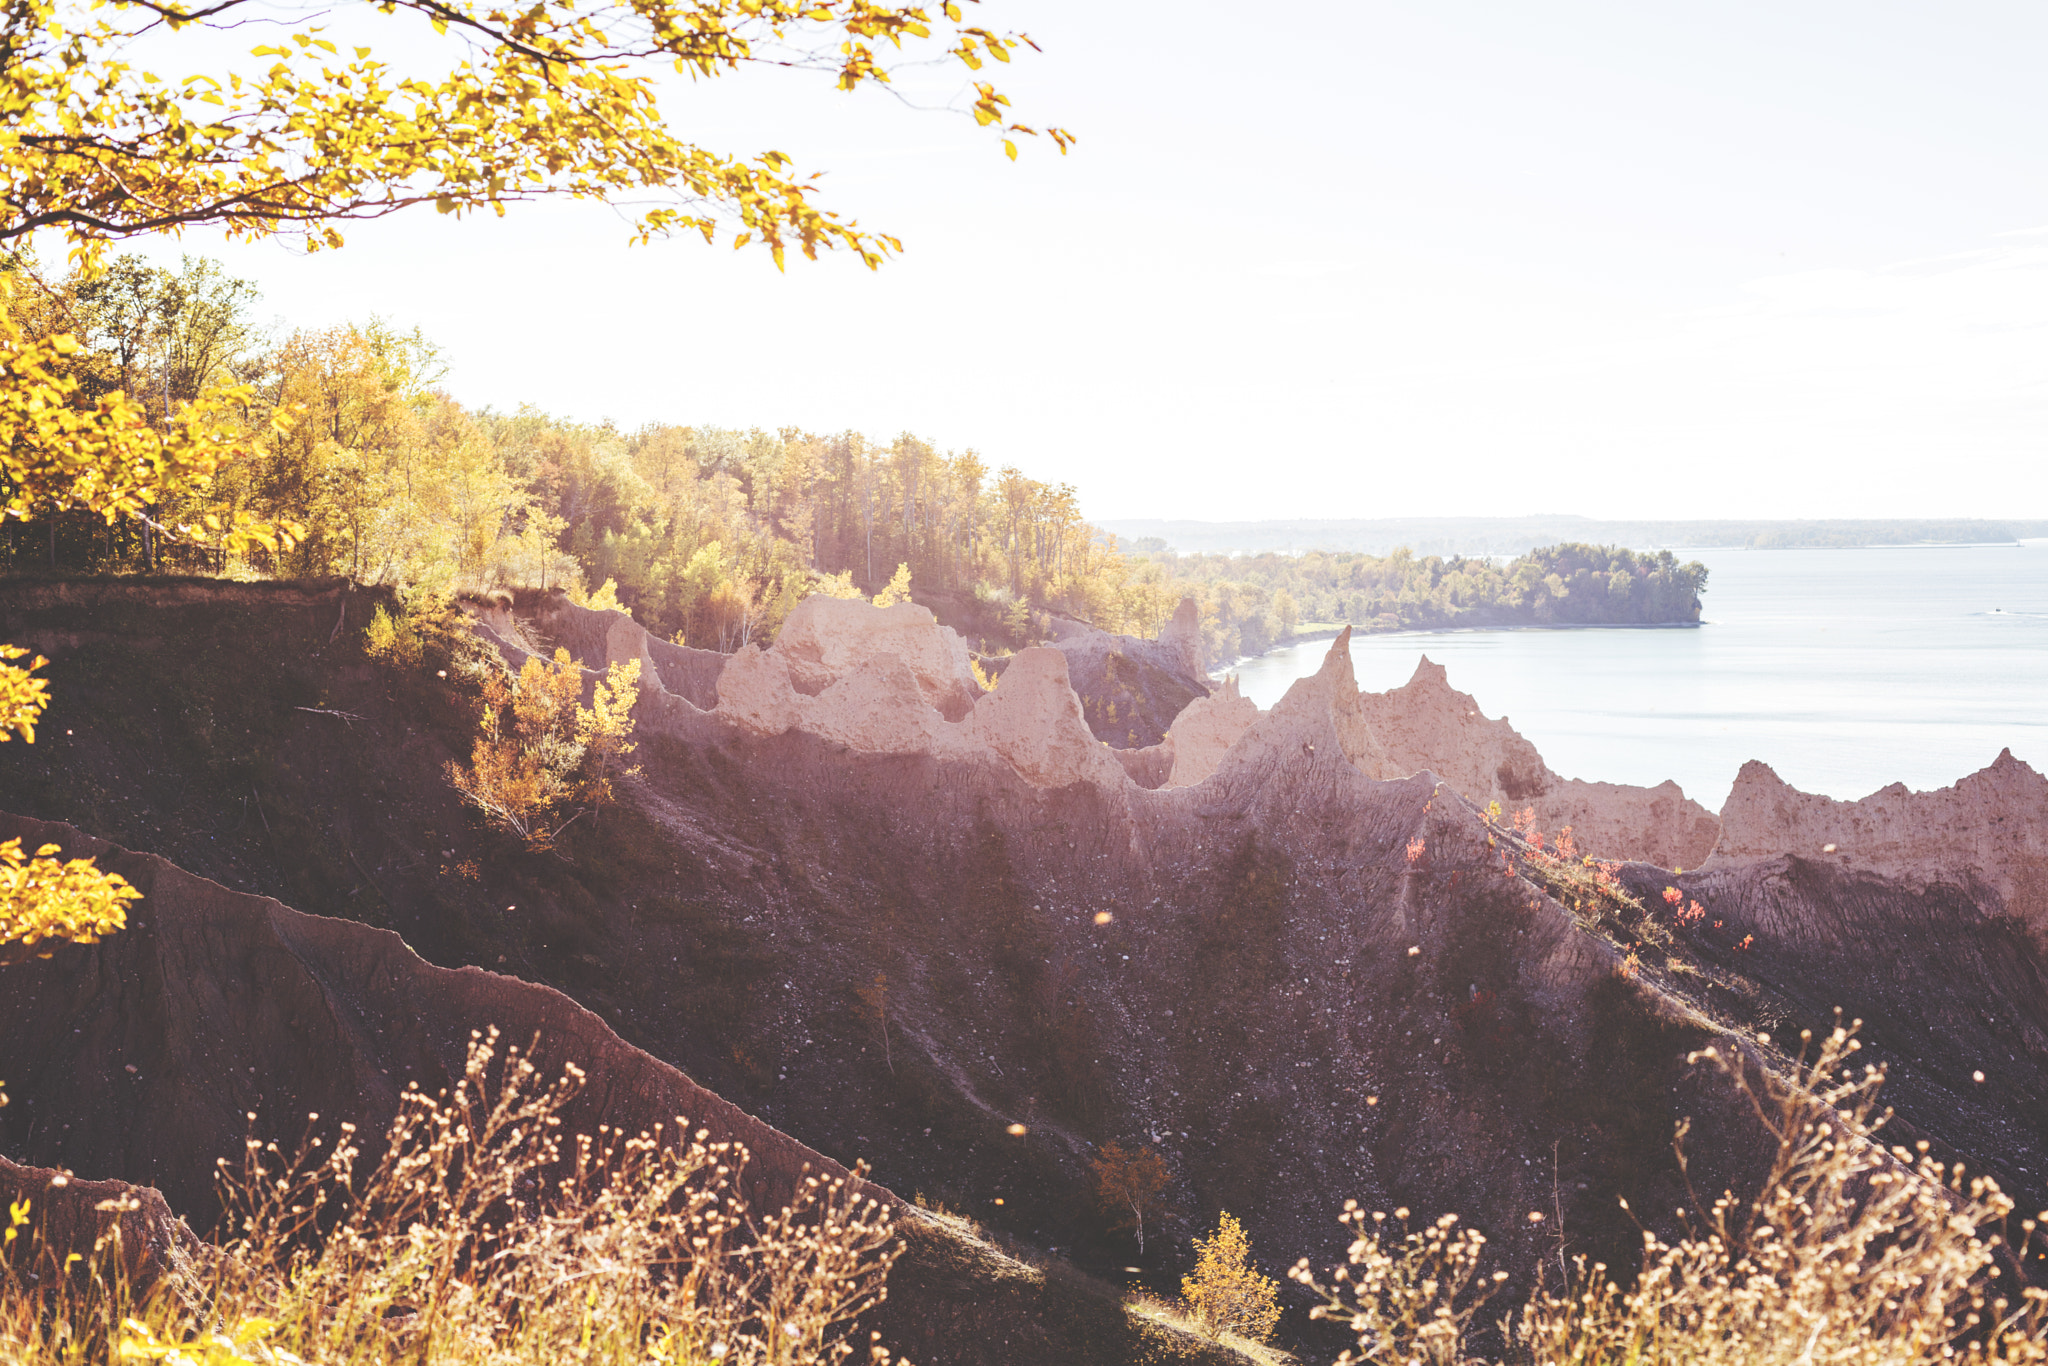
<point x="1844" y="670"/>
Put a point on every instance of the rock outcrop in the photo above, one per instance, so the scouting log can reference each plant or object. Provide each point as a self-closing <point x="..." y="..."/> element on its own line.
<point x="826" y="640"/>
<point x="1131" y="688"/>
<point x="1033" y="719"/>
<point x="893" y="681"/>
<point x="1205" y="730"/>
<point x="1986" y="834"/>
<point x="1428" y="724"/>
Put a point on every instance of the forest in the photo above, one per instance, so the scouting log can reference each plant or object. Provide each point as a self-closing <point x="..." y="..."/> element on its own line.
<point x="706" y="535"/>
<point x="1252" y="602"/>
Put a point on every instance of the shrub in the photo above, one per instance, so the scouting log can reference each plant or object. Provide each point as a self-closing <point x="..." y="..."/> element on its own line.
<point x="1225" y="1291"/>
<point x="43" y="902"/>
<point x="896" y="590"/>
<point x="22" y="695"/>
<point x="484" y="1234"/>
<point x="427" y="631"/>
<point x="541" y="751"/>
<point x="1852" y="1253"/>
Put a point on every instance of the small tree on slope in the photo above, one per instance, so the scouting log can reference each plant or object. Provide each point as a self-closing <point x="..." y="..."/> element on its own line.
<point x="1127" y="1184"/>
<point x="1226" y="1291"/>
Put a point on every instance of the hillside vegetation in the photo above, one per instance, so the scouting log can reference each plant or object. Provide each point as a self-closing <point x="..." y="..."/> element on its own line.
<point x="1253" y="601"/>
<point x="708" y="535"/>
<point x="1518" y="535"/>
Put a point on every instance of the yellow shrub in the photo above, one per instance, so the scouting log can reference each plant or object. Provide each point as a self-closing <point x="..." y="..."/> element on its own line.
<point x="44" y="903"/>
<point x="22" y="696"/>
<point x="1226" y="1291"/>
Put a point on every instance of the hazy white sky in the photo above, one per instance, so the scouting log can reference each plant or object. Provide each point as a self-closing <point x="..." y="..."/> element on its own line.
<point x="1753" y="258"/>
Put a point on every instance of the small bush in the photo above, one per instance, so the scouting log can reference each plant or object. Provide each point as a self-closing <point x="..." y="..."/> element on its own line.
<point x="1854" y="1253"/>
<point x="541" y="752"/>
<point x="484" y="1234"/>
<point x="1225" y="1291"/>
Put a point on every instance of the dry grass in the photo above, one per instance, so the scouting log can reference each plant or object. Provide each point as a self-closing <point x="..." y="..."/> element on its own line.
<point x="1854" y="1253"/>
<point x="1173" y="1314"/>
<point x="482" y="1235"/>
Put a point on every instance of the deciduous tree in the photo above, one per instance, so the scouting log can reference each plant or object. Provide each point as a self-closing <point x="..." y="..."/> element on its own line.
<point x="540" y="752"/>
<point x="528" y="101"/>
<point x="1225" y="1290"/>
<point x="45" y="902"/>
<point x="1128" y="1184"/>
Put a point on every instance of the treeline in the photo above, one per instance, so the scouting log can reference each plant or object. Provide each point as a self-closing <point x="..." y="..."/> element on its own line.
<point x="1252" y="602"/>
<point x="1519" y="535"/>
<point x="705" y="534"/>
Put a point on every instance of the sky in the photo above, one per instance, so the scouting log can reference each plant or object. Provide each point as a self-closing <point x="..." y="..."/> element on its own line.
<point x="1353" y="259"/>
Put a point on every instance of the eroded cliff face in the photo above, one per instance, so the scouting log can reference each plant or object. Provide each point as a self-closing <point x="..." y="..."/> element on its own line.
<point x="145" y="1055"/>
<point x="1428" y="724"/>
<point x="891" y="682"/>
<point x="1133" y="689"/>
<point x="1986" y="834"/>
<point x="1204" y="732"/>
<point x="1299" y="981"/>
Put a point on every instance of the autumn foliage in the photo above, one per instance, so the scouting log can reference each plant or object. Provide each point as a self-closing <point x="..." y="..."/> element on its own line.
<point x="543" y="759"/>
<point x="45" y="902"/>
<point x="22" y="695"/>
<point x="1128" y="1184"/>
<point x="1225" y="1291"/>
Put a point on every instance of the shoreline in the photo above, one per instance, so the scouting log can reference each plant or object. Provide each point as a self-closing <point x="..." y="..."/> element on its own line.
<point x="1331" y="633"/>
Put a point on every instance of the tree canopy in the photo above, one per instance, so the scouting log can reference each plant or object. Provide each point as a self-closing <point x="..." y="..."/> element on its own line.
<point x="516" y="103"/>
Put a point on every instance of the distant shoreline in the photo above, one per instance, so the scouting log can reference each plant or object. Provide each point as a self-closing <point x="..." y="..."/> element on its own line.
<point x="1332" y="632"/>
<point x="1487" y="536"/>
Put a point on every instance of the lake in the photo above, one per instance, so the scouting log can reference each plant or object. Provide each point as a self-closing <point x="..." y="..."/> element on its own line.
<point x="1845" y="670"/>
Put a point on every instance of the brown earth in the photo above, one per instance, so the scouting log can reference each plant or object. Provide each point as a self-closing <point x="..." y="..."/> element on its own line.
<point x="1131" y="688"/>
<point x="144" y="1055"/>
<point x="1985" y="835"/>
<point x="1278" y="949"/>
<point x="1427" y="724"/>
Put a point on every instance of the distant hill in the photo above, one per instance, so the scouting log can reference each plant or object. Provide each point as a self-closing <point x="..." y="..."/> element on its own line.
<point x="1514" y="535"/>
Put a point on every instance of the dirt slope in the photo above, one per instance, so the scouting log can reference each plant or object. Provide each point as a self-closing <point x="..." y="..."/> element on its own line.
<point x="1131" y="688"/>
<point x="1288" y="938"/>
<point x="141" y="1056"/>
